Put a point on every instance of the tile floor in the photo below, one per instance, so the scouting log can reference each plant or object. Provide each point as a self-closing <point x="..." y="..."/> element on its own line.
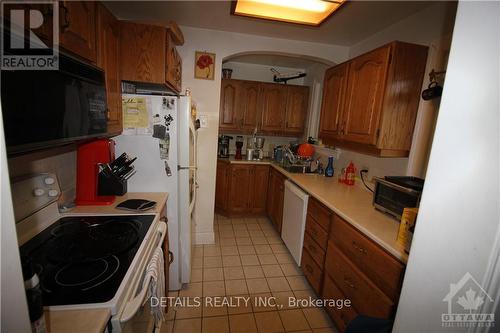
<point x="248" y="261"/>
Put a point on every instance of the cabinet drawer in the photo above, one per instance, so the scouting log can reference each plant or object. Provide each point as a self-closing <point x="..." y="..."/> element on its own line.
<point x="316" y="232"/>
<point x="341" y="317"/>
<point x="312" y="271"/>
<point x="385" y="271"/>
<point x="320" y="213"/>
<point x="366" y="297"/>
<point x="317" y="253"/>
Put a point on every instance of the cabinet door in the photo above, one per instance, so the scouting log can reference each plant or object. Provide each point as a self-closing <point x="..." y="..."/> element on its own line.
<point x="273" y="104"/>
<point x="173" y="75"/>
<point x="270" y="195"/>
<point x="229" y="105"/>
<point x="249" y="106"/>
<point x="297" y="103"/>
<point x="221" y="186"/>
<point x="241" y="179"/>
<point x="109" y="60"/>
<point x="78" y="28"/>
<point x="365" y="91"/>
<point x="258" y="197"/>
<point x="334" y="87"/>
<point x="142" y="50"/>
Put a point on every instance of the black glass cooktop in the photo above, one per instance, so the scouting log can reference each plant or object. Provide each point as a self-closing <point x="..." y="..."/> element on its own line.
<point x="83" y="259"/>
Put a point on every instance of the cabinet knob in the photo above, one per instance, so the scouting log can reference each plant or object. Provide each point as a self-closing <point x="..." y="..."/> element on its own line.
<point x="359" y="248"/>
<point x="349" y="282"/>
<point x="108" y="114"/>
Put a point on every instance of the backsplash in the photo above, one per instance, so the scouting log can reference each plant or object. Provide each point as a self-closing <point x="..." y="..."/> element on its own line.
<point x="61" y="161"/>
<point x="269" y="144"/>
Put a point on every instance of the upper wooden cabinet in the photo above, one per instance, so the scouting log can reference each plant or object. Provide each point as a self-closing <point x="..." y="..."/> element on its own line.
<point x="173" y="75"/>
<point x="370" y="103"/>
<point x="274" y="109"/>
<point x="108" y="58"/>
<point x="77" y="24"/>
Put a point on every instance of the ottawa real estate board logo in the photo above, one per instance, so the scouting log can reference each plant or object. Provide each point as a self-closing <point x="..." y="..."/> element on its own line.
<point x="466" y="299"/>
<point x="30" y="35"/>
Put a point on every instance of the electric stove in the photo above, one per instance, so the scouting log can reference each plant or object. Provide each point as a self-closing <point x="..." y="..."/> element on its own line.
<point x="83" y="259"/>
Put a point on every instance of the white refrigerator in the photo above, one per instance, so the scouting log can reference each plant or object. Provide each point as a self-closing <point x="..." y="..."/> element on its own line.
<point x="160" y="132"/>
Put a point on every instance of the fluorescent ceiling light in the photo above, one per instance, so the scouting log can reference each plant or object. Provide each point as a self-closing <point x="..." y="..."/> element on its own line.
<point x="309" y="12"/>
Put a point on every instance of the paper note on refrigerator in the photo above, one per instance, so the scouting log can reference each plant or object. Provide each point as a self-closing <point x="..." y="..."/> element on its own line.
<point x="135" y="113"/>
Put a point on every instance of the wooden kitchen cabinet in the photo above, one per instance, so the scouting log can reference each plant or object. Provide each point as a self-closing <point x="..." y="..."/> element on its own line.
<point x="77" y="28"/>
<point x="370" y="102"/>
<point x="274" y="109"/>
<point x="241" y="189"/>
<point x="108" y="58"/>
<point x="275" y="198"/>
<point x="173" y="75"/>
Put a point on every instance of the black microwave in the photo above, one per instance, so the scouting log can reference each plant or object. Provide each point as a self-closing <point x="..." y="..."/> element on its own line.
<point x="394" y="193"/>
<point x="45" y="108"/>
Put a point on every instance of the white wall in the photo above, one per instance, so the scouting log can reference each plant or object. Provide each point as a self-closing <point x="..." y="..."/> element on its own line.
<point x="430" y="27"/>
<point x="206" y="93"/>
<point x="459" y="213"/>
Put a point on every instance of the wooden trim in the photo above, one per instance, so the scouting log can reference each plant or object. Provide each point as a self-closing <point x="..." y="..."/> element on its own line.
<point x="364" y="148"/>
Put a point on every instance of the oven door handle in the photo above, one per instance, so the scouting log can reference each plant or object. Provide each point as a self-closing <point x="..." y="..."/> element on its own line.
<point x="133" y="305"/>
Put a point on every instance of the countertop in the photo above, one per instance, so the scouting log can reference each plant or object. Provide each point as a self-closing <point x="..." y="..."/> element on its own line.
<point x="95" y="320"/>
<point x="352" y="203"/>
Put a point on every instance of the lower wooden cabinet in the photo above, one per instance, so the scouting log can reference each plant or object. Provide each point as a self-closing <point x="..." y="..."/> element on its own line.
<point x="241" y="189"/>
<point x="341" y="316"/>
<point x="276" y="194"/>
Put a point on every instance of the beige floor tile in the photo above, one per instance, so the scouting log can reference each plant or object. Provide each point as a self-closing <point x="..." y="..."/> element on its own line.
<point x="233" y="273"/>
<point x="256" y="286"/>
<point x="212" y="262"/>
<point x="167" y="326"/>
<point x="241" y="233"/>
<point x="230" y="250"/>
<point x="197" y="262"/>
<point x="263" y="302"/>
<point x="239" y="227"/>
<point x="240" y="304"/>
<point x="298" y="283"/>
<point x="274" y="240"/>
<point x="272" y="270"/>
<point x="249" y="260"/>
<point x="246" y="249"/>
<point x="198" y="252"/>
<point x="242" y="323"/>
<point x="316" y="317"/>
<point x="215" y="325"/>
<point x="187" y="312"/>
<point x="236" y="287"/>
<point x="253" y="226"/>
<point x="211" y="251"/>
<point x="291" y="269"/>
<point x="251" y="220"/>
<point x="227" y="241"/>
<point x="226" y="227"/>
<point x="284" y="258"/>
<point x="211" y="309"/>
<point x="283" y="300"/>
<point x="307" y="295"/>
<point x="213" y="288"/>
<point x="170" y="314"/>
<point x="259" y="240"/>
<point x="196" y="275"/>
<point x="256" y="233"/>
<point x="278" y="284"/>
<point x="279" y="248"/>
<point x="187" y="326"/>
<point x="238" y="220"/>
<point x="267" y="259"/>
<point x="226" y="234"/>
<point x="231" y="261"/>
<point x="293" y="320"/>
<point x="243" y="241"/>
<point x="268" y="322"/>
<point x="191" y="290"/>
<point x="263" y="249"/>
<point x="213" y="274"/>
<point x="270" y="232"/>
<point x="263" y="220"/>
<point x="253" y="272"/>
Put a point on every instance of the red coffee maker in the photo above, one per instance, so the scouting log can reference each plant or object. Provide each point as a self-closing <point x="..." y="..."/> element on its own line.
<point x="89" y="156"/>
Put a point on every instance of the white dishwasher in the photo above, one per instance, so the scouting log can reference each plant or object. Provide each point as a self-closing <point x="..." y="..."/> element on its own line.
<point x="294" y="219"/>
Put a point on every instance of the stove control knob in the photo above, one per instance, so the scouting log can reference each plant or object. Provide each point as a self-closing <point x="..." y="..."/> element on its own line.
<point x="53" y="193"/>
<point x="49" y="181"/>
<point x="38" y="192"/>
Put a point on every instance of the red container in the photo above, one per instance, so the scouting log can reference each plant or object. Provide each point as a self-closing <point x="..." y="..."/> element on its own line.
<point x="89" y="155"/>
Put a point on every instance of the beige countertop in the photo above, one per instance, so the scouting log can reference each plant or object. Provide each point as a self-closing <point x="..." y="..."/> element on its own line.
<point x="77" y="321"/>
<point x="352" y="203"/>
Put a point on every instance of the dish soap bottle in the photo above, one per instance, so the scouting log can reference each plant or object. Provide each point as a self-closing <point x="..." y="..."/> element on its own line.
<point x="329" y="168"/>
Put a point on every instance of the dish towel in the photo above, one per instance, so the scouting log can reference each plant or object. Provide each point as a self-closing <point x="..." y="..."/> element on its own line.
<point x="155" y="282"/>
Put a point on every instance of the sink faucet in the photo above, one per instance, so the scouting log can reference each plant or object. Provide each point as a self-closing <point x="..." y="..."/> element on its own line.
<point x="290" y="156"/>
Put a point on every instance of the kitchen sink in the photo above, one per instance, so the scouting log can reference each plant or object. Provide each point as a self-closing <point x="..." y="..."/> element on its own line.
<point x="297" y="168"/>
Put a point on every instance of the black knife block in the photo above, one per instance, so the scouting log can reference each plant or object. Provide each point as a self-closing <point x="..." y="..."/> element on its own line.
<point x="111" y="185"/>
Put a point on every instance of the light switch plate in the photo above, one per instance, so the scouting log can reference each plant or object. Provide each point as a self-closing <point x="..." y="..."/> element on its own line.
<point x="203" y="121"/>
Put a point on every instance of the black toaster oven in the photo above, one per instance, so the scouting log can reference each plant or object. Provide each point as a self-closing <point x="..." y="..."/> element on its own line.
<point x="394" y="193"/>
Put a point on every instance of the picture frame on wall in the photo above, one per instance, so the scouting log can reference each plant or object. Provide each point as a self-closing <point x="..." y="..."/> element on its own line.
<point x="204" y="65"/>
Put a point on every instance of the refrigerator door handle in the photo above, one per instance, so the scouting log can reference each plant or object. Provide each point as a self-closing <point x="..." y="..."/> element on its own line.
<point x="190" y="167"/>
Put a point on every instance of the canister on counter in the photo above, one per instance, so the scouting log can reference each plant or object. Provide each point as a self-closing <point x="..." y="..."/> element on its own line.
<point x="406" y="227"/>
